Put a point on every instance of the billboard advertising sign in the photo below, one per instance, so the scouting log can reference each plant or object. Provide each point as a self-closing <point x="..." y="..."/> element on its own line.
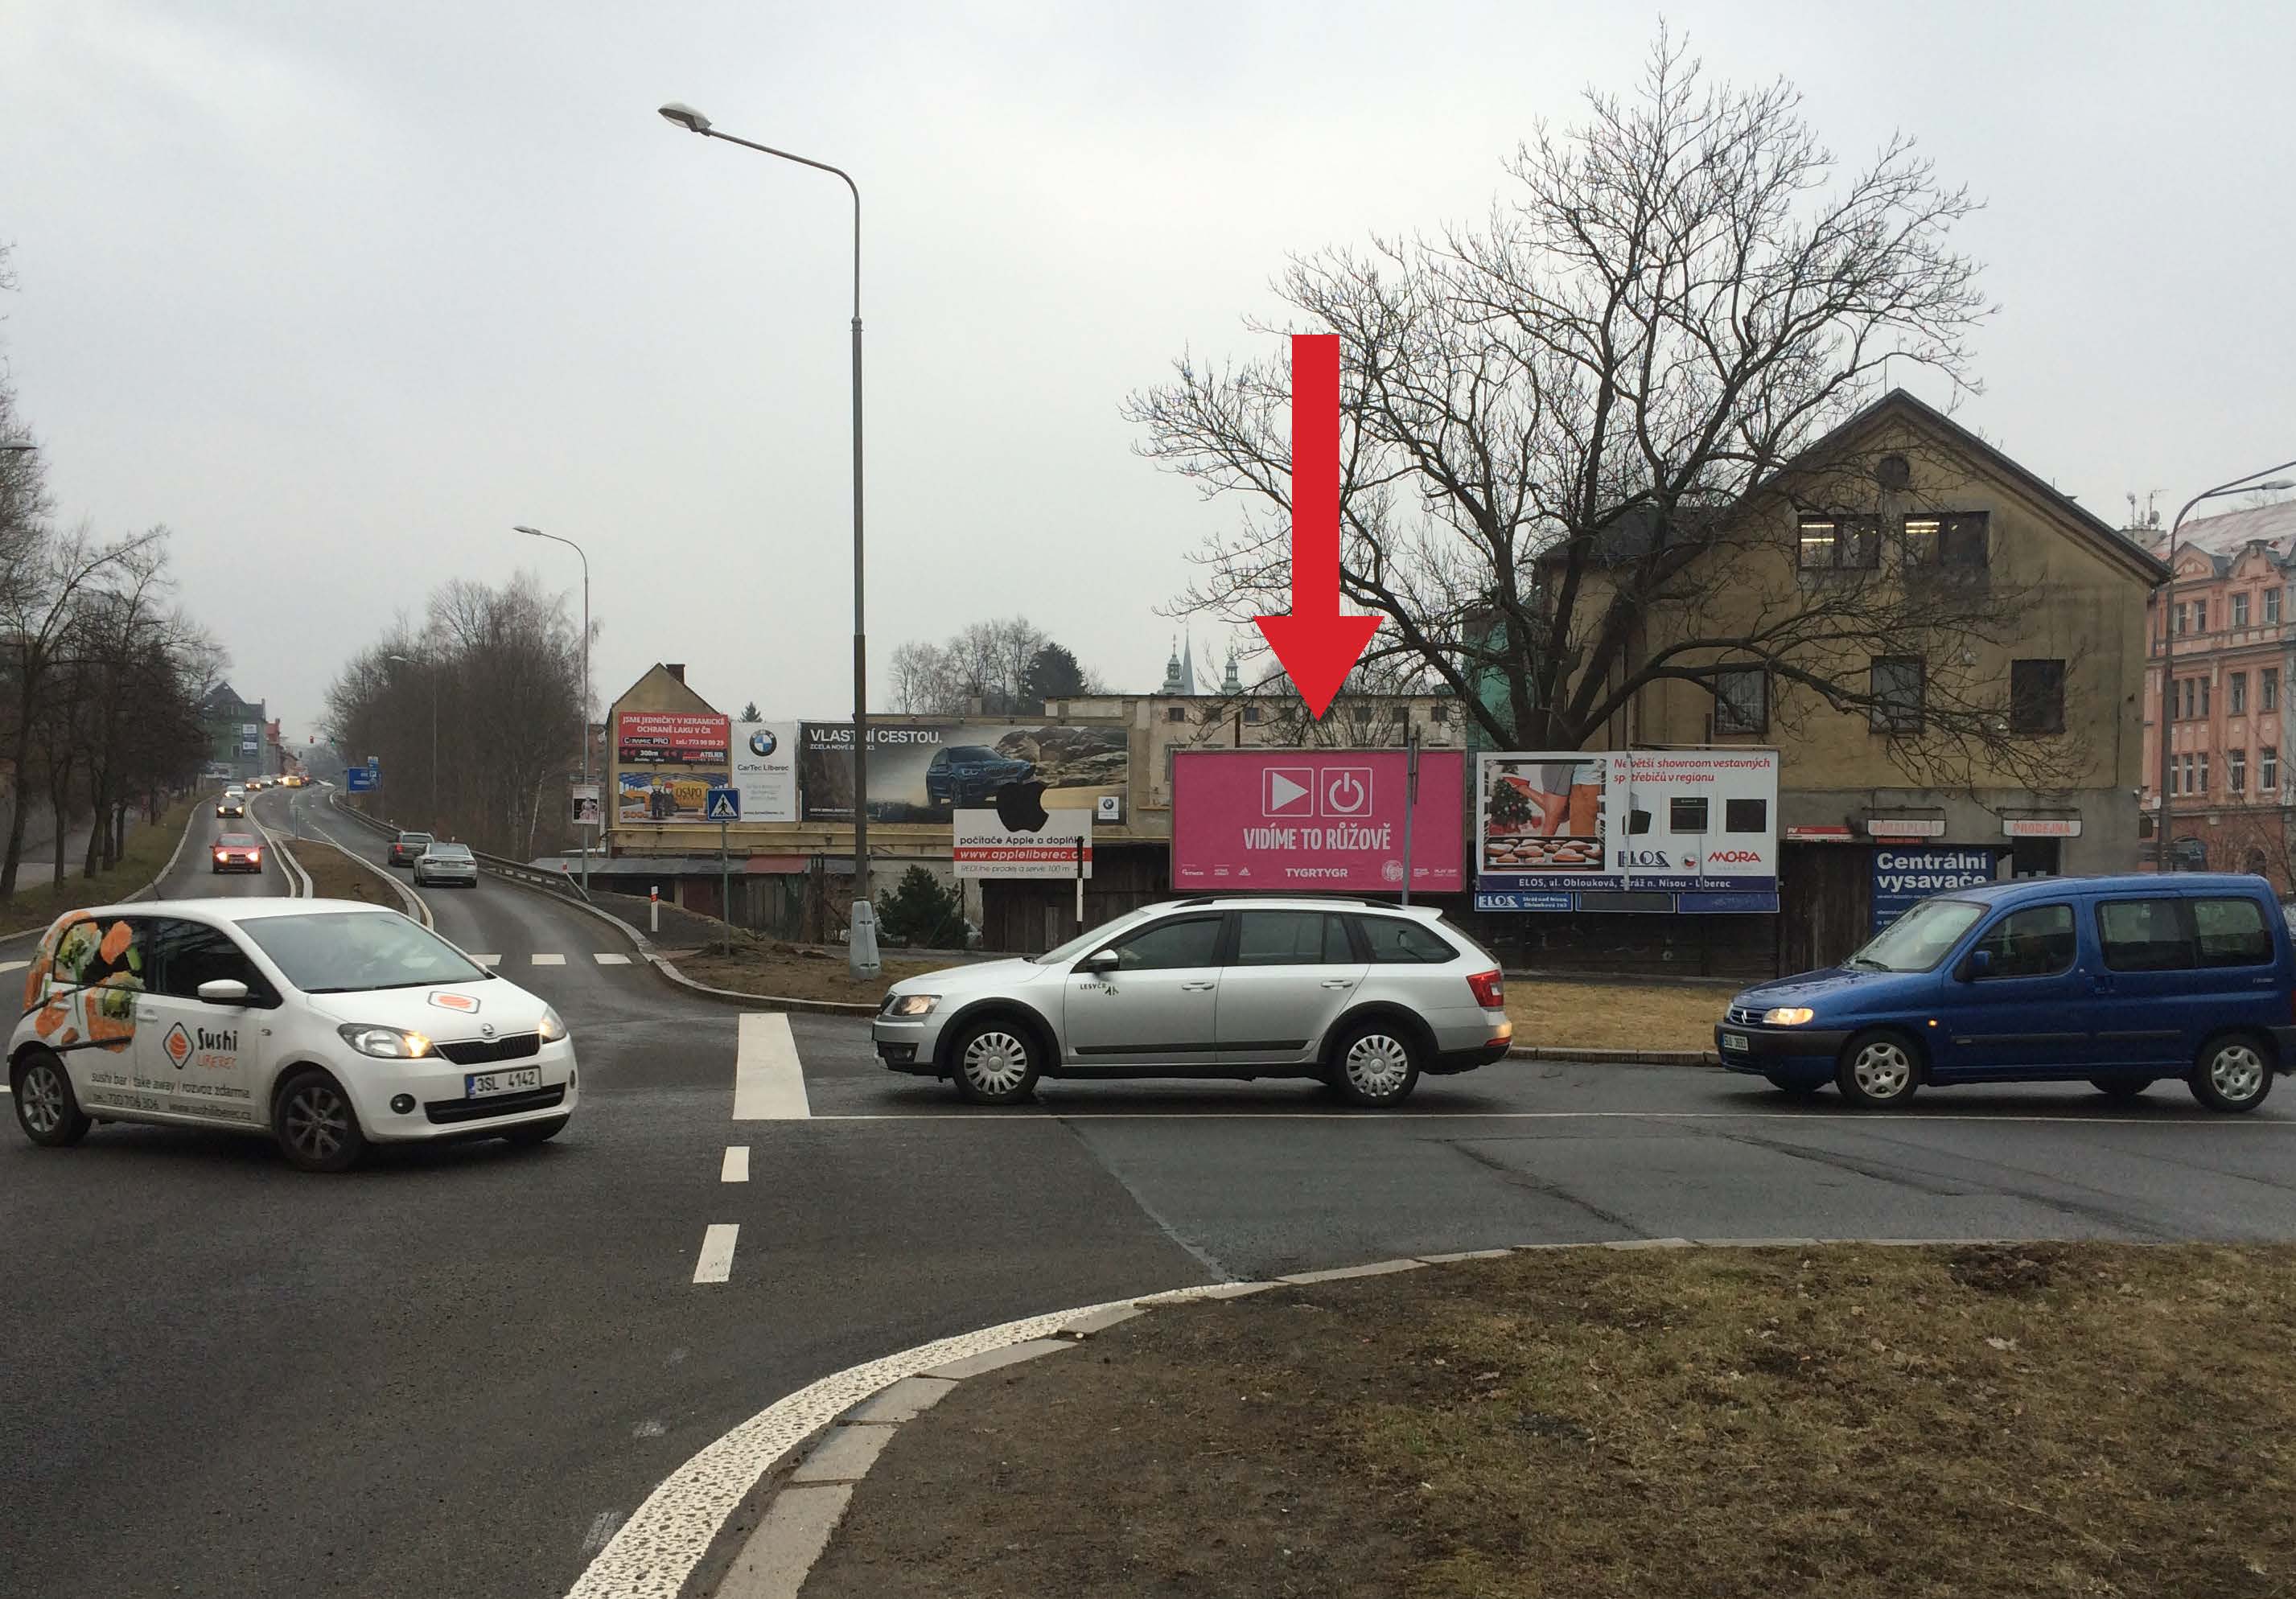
<point x="1279" y="820"/>
<point x="928" y="771"/>
<point x="1020" y="841"/>
<point x="666" y="796"/>
<point x="1667" y="820"/>
<point x="1903" y="878"/>
<point x="765" y="769"/>
<point x="583" y="805"/>
<point x="672" y="738"/>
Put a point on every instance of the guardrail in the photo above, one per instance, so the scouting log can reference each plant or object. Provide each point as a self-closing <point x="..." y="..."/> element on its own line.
<point x="500" y="865"/>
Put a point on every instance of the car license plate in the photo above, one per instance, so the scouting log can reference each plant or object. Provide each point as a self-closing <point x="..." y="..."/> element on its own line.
<point x="479" y="1084"/>
<point x="1737" y="1042"/>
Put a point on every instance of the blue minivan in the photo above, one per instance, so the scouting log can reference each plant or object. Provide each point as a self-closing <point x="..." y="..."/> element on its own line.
<point x="2120" y="981"/>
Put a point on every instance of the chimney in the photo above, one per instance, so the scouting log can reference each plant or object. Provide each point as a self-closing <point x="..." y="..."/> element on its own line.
<point x="675" y="668"/>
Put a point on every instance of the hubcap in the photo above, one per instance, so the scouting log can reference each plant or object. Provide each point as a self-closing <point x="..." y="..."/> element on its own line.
<point x="1882" y="1071"/>
<point x="996" y="1062"/>
<point x="316" y="1122"/>
<point x="1376" y="1065"/>
<point x="2236" y="1070"/>
<point x="42" y="1100"/>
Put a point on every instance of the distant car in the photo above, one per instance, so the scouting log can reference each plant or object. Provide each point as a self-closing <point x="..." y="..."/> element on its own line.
<point x="407" y="848"/>
<point x="447" y="864"/>
<point x="237" y="852"/>
<point x="326" y="1024"/>
<point x="1361" y="996"/>
<point x="232" y="804"/>
<point x="970" y="773"/>
<point x="256" y="785"/>
<point x="2118" y="981"/>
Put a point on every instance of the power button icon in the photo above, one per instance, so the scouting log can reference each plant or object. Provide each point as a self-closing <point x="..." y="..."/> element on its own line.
<point x="1346" y="792"/>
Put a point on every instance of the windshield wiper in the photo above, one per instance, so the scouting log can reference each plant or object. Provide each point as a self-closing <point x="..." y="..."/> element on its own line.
<point x="1866" y="963"/>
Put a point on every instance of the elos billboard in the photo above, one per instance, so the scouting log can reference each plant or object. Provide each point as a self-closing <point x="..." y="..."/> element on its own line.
<point x="1278" y="821"/>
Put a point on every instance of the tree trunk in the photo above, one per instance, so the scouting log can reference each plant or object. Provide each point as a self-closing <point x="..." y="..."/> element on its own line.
<point x="22" y="753"/>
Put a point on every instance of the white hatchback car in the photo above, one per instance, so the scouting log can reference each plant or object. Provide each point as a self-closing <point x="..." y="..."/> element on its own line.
<point x="327" y="1023"/>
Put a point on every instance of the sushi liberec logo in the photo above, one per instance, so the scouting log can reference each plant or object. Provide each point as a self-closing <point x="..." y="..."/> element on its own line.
<point x="178" y="1044"/>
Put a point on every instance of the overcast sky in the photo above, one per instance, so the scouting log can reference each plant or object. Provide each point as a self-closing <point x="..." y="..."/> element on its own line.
<point x="340" y="293"/>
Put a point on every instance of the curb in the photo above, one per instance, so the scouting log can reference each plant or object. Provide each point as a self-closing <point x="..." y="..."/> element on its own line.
<point x="1616" y="1057"/>
<point x="836" y="1427"/>
<point x="415" y="907"/>
<point x="295" y="867"/>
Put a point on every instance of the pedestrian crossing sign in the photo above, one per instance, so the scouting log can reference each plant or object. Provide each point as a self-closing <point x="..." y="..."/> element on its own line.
<point x="725" y="805"/>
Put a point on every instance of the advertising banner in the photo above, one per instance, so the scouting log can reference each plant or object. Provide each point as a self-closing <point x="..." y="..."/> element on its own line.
<point x="928" y="771"/>
<point x="1689" y="822"/>
<point x="1903" y="878"/>
<point x="670" y="738"/>
<point x="765" y="769"/>
<point x="1005" y="844"/>
<point x="666" y="796"/>
<point x="1284" y="820"/>
<point x="582" y="808"/>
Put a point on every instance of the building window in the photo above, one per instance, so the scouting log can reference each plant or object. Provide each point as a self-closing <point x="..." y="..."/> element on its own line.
<point x="1956" y="538"/>
<point x="2267" y="772"/>
<point x="2201" y="772"/>
<point x="2182" y="700"/>
<point x="1742" y="700"/>
<point x="2267" y="689"/>
<point x="2201" y="614"/>
<point x="1213" y="713"/>
<point x="2236" y="772"/>
<point x="1175" y="713"/>
<point x="1363" y="715"/>
<point x="2036" y="696"/>
<point x="2239" y="611"/>
<point x="1438" y="715"/>
<point x="2271" y="607"/>
<point x="1895" y="690"/>
<point x="2177" y="619"/>
<point x="2204" y="696"/>
<point x="2237" y="690"/>
<point x="1839" y="542"/>
<point x="2176" y="766"/>
<point x="1251" y="715"/>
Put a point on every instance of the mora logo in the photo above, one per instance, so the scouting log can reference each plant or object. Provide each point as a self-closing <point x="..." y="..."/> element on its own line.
<point x="1733" y="858"/>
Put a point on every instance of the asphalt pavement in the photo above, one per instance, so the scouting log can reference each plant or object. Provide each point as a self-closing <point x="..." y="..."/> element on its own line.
<point x="455" y="1371"/>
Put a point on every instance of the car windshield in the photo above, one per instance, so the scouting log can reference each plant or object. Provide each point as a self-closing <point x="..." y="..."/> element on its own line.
<point x="1918" y="939"/>
<point x="349" y="952"/>
<point x="972" y="753"/>
<point x="235" y="840"/>
<point x="414" y="838"/>
<point x="449" y="852"/>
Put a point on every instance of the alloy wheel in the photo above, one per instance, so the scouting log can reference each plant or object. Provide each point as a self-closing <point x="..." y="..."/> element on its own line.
<point x="996" y="1062"/>
<point x="317" y="1121"/>
<point x="41" y="1095"/>
<point x="1377" y="1065"/>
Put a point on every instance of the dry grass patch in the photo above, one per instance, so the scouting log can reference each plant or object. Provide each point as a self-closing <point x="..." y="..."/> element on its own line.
<point x="142" y="858"/>
<point x="794" y="971"/>
<point x="1857" y="1421"/>
<point x="335" y="875"/>
<point x="1573" y="1015"/>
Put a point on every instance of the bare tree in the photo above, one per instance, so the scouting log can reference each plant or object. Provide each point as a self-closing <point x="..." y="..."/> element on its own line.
<point x="1577" y="439"/>
<point x="987" y="662"/>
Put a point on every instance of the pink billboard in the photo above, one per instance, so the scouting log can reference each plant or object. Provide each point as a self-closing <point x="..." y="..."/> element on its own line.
<point x="1281" y="821"/>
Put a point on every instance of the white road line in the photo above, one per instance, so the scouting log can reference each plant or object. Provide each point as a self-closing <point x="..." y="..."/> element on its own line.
<point x="736" y="1169"/>
<point x="488" y="960"/>
<point x="612" y="960"/>
<point x="1049" y="1116"/>
<point x="549" y="960"/>
<point x="603" y="1527"/>
<point x="769" y="1083"/>
<point x="716" y="1261"/>
<point x="20" y="965"/>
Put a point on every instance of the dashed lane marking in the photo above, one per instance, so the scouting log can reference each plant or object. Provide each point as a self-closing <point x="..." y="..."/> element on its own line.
<point x="769" y="1083"/>
<point x="736" y="1169"/>
<point x="549" y="960"/>
<point x="716" y="1262"/>
<point x="488" y="960"/>
<point x="20" y="965"/>
<point x="605" y="959"/>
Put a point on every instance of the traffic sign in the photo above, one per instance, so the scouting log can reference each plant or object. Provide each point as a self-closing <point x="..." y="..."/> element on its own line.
<point x="359" y="780"/>
<point x="373" y="763"/>
<point x="724" y="805"/>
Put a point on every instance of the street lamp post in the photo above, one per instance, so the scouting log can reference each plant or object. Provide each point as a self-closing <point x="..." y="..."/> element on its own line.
<point x="861" y="951"/>
<point x="432" y="667"/>
<point x="2242" y="484"/>
<point x="589" y="835"/>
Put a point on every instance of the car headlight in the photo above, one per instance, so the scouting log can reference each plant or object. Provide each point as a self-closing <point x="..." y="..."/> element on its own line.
<point x="387" y="1043"/>
<point x="1787" y="1016"/>
<point x="911" y="1004"/>
<point x="554" y="1025"/>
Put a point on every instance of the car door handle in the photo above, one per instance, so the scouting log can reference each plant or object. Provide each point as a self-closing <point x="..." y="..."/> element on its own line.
<point x="1198" y="987"/>
<point x="1339" y="982"/>
<point x="145" y="1012"/>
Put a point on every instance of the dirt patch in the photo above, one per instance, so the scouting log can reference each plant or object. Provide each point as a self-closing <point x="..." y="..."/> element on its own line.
<point x="1856" y="1421"/>
<point x="1556" y="1015"/>
<point x="794" y="971"/>
<point x="335" y="875"/>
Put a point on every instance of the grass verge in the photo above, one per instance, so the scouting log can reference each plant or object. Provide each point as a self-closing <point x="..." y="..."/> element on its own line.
<point x="795" y="972"/>
<point x="1852" y="1420"/>
<point x="335" y="875"/>
<point x="1555" y="1014"/>
<point x="143" y="858"/>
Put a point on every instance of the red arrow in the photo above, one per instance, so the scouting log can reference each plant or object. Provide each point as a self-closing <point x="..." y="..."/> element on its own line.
<point x="1318" y="646"/>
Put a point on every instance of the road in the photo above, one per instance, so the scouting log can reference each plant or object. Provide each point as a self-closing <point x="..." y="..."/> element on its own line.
<point x="455" y="1372"/>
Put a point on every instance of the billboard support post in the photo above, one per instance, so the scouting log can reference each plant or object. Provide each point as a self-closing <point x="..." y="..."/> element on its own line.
<point x="724" y="880"/>
<point x="1410" y="798"/>
<point x="1079" y="881"/>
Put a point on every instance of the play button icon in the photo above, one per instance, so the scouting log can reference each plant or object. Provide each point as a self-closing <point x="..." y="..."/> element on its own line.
<point x="1288" y="791"/>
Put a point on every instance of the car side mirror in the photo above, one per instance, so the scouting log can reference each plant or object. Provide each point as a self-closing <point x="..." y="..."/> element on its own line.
<point x="224" y="990"/>
<point x="1976" y="963"/>
<point x="1099" y="960"/>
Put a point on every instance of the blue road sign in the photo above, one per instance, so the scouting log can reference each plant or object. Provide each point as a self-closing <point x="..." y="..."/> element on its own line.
<point x="359" y="779"/>
<point x="373" y="763"/>
<point x="724" y="805"/>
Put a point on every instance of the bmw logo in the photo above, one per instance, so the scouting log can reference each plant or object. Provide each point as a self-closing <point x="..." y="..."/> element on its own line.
<point x="762" y="743"/>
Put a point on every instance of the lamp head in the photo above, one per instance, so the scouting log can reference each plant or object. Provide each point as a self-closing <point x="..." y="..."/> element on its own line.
<point x="529" y="532"/>
<point x="685" y="116"/>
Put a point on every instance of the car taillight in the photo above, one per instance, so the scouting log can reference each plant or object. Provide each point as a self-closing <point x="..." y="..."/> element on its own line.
<point x="1489" y="987"/>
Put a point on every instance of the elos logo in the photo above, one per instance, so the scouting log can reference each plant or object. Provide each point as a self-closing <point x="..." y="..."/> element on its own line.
<point x="1734" y="857"/>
